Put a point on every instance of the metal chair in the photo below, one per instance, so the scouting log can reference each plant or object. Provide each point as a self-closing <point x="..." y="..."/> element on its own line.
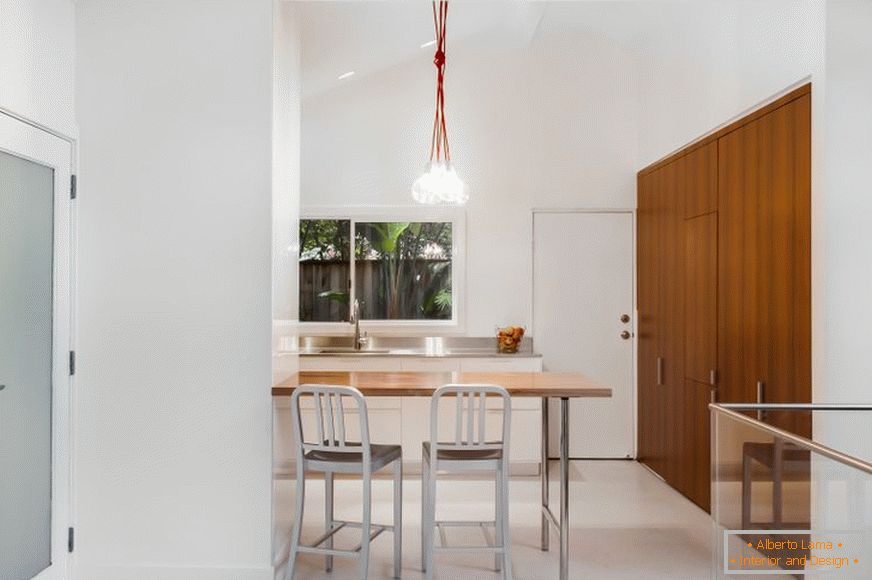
<point x="330" y="452"/>
<point x="469" y="451"/>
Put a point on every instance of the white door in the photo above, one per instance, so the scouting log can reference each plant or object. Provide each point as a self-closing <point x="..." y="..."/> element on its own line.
<point x="582" y="287"/>
<point x="34" y="352"/>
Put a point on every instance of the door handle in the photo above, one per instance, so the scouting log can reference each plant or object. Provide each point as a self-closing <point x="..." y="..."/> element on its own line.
<point x="625" y="318"/>
<point x="713" y="383"/>
<point x="761" y="398"/>
<point x="626" y="334"/>
<point x="659" y="371"/>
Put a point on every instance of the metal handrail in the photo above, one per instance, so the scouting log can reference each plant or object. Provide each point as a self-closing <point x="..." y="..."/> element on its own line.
<point x="729" y="410"/>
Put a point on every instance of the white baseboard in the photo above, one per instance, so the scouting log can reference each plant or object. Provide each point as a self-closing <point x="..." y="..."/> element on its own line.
<point x="170" y="573"/>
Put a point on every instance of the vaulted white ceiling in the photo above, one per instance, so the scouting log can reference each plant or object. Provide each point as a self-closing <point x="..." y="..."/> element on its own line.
<point x="371" y="36"/>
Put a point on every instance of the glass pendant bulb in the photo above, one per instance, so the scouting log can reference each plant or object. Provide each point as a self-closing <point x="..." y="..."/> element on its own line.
<point x="440" y="185"/>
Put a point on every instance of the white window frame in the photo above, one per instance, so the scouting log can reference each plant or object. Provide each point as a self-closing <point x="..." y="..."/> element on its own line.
<point x="457" y="217"/>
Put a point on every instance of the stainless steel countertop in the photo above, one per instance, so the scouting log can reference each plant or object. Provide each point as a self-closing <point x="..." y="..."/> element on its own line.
<point x="429" y="347"/>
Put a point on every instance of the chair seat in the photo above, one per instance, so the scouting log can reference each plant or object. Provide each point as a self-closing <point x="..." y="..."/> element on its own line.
<point x="465" y="454"/>
<point x="381" y="455"/>
<point x="793" y="459"/>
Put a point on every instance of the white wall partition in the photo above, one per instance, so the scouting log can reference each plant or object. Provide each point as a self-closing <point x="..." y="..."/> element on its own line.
<point x="847" y="205"/>
<point x="286" y="190"/>
<point x="175" y="102"/>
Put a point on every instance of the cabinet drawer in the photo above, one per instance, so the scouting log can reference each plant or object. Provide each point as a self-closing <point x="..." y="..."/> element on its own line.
<point x="431" y="364"/>
<point x="500" y="365"/>
<point x="350" y="363"/>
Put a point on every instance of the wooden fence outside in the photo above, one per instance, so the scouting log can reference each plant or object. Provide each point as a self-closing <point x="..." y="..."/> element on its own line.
<point x="416" y="286"/>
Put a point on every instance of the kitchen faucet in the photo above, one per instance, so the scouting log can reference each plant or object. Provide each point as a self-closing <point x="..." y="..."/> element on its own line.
<point x="355" y="320"/>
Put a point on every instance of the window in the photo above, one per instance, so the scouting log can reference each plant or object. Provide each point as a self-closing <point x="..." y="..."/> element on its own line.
<point x="325" y="270"/>
<point x="400" y="269"/>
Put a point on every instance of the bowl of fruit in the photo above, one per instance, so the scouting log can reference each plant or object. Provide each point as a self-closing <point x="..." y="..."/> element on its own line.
<point x="509" y="338"/>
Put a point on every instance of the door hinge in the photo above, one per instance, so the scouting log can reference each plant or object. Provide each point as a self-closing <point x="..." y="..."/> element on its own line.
<point x="71" y="539"/>
<point x="72" y="362"/>
<point x="73" y="186"/>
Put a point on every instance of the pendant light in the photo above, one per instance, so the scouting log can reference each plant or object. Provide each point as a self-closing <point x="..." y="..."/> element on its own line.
<point x="440" y="184"/>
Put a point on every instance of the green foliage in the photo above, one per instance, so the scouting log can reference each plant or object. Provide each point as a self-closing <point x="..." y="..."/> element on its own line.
<point x="325" y="240"/>
<point x="334" y="296"/>
<point x="387" y="234"/>
<point x="443" y="299"/>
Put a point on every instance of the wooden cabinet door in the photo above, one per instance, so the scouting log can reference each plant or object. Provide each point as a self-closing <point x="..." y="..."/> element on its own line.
<point x="764" y="277"/>
<point x="786" y="361"/>
<point x="648" y="321"/>
<point x="700" y="355"/>
<point x="701" y="298"/>
<point x="740" y="308"/>
<point x="672" y="309"/>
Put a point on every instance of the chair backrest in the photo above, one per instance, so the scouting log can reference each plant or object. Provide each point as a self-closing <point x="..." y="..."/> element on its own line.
<point x="469" y="429"/>
<point x="330" y="403"/>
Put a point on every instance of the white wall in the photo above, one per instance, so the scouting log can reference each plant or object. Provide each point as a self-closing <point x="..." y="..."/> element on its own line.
<point x="174" y="412"/>
<point x="286" y="210"/>
<point x="286" y="190"/>
<point x="705" y="63"/>
<point x="37" y="61"/>
<point x="845" y="247"/>
<point x="847" y="207"/>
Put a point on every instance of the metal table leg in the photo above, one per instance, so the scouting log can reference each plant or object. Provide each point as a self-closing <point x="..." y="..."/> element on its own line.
<point x="564" y="488"/>
<point x="544" y="477"/>
<point x="548" y="519"/>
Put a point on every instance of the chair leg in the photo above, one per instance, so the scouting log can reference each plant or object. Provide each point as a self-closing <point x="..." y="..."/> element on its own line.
<point x="431" y="518"/>
<point x="366" y="525"/>
<point x="504" y="516"/>
<point x="299" y="501"/>
<point x="746" y="492"/>
<point x="425" y="502"/>
<point x="498" y="519"/>
<point x="328" y="516"/>
<point x="777" y="490"/>
<point x="398" y="517"/>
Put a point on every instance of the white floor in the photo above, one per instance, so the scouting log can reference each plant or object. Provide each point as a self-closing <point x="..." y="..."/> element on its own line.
<point x="626" y="523"/>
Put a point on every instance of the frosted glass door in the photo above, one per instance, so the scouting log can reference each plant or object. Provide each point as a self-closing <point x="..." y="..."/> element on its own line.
<point x="26" y="366"/>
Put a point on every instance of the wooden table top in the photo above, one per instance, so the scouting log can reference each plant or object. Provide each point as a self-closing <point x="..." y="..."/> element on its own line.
<point x="422" y="384"/>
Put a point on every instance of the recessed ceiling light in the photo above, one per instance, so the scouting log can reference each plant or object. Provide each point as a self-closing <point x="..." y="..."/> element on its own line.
<point x="426" y="44"/>
<point x="346" y="75"/>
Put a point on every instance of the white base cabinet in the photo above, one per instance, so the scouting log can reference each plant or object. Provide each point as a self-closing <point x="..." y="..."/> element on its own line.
<point x="407" y="419"/>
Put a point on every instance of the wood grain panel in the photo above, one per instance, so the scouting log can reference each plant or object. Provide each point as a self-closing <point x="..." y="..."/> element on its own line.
<point x="701" y="297"/>
<point x="738" y="265"/>
<point x="647" y="264"/>
<point x="422" y="384"/>
<point x="788" y="364"/>
<point x="701" y="181"/>
<point x="694" y="461"/>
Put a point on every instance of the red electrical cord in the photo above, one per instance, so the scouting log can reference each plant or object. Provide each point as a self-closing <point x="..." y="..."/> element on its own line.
<point x="439" y="143"/>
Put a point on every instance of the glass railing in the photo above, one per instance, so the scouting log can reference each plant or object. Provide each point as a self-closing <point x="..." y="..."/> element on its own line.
<point x="792" y="490"/>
